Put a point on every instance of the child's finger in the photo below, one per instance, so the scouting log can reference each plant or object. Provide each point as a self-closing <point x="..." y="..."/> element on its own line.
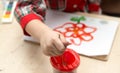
<point x="62" y="38"/>
<point x="59" y="45"/>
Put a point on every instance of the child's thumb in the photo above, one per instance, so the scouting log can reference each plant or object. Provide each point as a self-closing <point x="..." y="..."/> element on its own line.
<point x="64" y="41"/>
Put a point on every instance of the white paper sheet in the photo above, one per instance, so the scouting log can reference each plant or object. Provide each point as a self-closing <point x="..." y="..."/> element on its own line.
<point x="103" y="36"/>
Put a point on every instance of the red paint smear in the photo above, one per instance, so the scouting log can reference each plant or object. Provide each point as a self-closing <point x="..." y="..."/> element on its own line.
<point x="76" y="29"/>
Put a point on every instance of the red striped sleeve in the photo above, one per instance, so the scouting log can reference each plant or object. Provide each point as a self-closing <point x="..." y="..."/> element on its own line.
<point x="25" y="20"/>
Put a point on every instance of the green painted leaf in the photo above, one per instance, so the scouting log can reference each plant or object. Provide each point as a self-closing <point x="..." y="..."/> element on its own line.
<point x="78" y="19"/>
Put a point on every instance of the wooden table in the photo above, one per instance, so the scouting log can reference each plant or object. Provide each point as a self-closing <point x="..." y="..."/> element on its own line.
<point x="18" y="56"/>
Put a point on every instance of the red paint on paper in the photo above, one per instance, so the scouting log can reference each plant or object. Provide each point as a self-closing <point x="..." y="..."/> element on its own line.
<point x="77" y="31"/>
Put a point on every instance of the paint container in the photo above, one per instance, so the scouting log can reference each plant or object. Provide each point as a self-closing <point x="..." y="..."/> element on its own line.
<point x="65" y="63"/>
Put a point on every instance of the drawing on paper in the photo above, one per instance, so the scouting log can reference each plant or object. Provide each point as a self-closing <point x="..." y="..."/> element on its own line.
<point x="76" y="32"/>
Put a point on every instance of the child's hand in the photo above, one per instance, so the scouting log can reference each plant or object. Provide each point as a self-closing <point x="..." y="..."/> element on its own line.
<point x="52" y="43"/>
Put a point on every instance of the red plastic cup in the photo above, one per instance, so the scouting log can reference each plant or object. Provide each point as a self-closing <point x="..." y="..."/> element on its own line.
<point x="65" y="63"/>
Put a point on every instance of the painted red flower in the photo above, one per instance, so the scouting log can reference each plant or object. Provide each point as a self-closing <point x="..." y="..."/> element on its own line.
<point x="76" y="33"/>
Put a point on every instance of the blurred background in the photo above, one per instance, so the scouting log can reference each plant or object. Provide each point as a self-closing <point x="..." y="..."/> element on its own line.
<point x="111" y="7"/>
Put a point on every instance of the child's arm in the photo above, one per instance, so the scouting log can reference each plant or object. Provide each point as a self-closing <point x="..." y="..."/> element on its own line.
<point x="27" y="10"/>
<point x="30" y="17"/>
